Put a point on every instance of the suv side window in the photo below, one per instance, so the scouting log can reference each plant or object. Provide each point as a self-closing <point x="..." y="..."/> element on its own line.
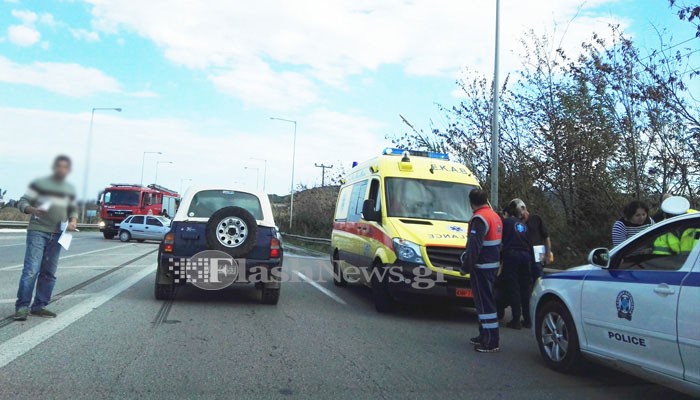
<point x="153" y="221"/>
<point x="137" y="220"/>
<point x="664" y="249"/>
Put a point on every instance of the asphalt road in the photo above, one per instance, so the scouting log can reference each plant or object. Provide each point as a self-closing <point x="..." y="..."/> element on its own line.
<point x="112" y="339"/>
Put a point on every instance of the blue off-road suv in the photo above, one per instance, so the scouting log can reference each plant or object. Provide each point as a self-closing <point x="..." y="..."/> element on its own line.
<point x="221" y="236"/>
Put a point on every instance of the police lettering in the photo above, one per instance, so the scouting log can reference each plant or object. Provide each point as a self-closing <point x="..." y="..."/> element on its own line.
<point x="637" y="341"/>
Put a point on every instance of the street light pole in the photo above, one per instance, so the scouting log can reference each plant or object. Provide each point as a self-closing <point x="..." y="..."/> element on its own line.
<point x="155" y="181"/>
<point x="257" y="176"/>
<point x="494" y="124"/>
<point x="264" y="171"/>
<point x="143" y="161"/>
<point x="294" y="157"/>
<point x="87" y="156"/>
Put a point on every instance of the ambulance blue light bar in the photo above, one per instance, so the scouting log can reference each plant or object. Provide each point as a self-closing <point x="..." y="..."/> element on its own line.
<point x="389" y="151"/>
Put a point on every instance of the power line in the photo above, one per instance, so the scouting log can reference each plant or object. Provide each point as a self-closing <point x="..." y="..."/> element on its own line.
<point x="323" y="172"/>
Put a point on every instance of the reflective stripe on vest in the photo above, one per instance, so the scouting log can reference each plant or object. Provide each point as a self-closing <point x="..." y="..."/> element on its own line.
<point x="489" y="256"/>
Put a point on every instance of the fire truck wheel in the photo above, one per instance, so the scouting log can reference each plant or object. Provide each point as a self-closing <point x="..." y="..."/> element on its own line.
<point x="232" y="230"/>
<point x="108" y="236"/>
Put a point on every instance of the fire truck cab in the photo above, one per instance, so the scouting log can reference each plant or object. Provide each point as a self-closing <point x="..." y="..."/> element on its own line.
<point x="120" y="200"/>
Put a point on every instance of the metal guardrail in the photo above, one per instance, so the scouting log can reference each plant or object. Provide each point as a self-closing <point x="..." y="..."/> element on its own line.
<point x="307" y="239"/>
<point x="23" y="224"/>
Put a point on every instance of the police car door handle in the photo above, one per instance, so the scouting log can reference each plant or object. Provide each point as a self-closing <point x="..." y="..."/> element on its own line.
<point x="664" y="289"/>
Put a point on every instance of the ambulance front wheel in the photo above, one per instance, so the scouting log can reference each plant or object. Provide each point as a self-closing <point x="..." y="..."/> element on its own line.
<point x="383" y="301"/>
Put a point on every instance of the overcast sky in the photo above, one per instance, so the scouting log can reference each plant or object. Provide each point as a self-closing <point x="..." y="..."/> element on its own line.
<point x="198" y="80"/>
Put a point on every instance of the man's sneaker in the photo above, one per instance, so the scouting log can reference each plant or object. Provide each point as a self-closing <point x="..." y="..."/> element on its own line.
<point x="486" y="349"/>
<point x="527" y="325"/>
<point x="475" y="340"/>
<point x="43" y="313"/>
<point x="20" y="315"/>
<point x="514" y="325"/>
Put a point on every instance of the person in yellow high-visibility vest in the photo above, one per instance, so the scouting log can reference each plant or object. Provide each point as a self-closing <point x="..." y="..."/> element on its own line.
<point x="676" y="242"/>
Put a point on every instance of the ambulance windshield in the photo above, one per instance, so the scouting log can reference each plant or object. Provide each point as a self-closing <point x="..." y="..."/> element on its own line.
<point x="428" y="199"/>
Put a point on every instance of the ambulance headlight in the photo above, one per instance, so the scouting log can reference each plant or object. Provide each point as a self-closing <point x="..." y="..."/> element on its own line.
<point x="408" y="251"/>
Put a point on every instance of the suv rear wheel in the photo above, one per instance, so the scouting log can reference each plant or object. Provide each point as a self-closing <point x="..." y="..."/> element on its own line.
<point x="270" y="295"/>
<point x="232" y="230"/>
<point x="164" y="291"/>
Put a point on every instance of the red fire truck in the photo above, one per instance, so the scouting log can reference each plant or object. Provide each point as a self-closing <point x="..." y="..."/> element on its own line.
<point x="120" y="200"/>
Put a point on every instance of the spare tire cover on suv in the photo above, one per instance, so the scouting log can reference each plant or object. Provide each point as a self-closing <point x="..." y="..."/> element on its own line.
<point x="232" y="230"/>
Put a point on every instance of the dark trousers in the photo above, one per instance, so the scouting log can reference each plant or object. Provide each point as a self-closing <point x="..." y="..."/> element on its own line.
<point x="517" y="281"/>
<point x="536" y="270"/>
<point x="482" y="282"/>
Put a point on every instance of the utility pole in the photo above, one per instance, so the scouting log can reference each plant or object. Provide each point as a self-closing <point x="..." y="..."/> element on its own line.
<point x="323" y="172"/>
<point x="494" y="124"/>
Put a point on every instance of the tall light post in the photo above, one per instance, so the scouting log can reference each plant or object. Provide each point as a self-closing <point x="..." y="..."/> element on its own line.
<point x="87" y="154"/>
<point x="158" y="164"/>
<point x="294" y="157"/>
<point x="143" y="161"/>
<point x="264" y="171"/>
<point x="494" y="124"/>
<point x="257" y="176"/>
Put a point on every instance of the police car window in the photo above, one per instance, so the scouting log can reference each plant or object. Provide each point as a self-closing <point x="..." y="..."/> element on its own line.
<point x="664" y="249"/>
<point x="428" y="199"/>
<point x="136" y="220"/>
<point x="207" y="202"/>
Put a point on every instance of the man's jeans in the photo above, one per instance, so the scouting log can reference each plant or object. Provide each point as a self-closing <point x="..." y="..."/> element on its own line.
<point x="40" y="263"/>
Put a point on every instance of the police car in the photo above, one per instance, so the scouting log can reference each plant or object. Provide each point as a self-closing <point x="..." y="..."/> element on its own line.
<point x="634" y="307"/>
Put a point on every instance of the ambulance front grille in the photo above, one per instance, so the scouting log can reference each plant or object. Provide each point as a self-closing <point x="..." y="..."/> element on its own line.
<point x="445" y="257"/>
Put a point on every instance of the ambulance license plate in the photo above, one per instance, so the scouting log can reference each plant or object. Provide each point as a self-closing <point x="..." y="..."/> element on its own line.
<point x="462" y="292"/>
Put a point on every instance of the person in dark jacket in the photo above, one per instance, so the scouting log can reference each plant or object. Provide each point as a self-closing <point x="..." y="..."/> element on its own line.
<point x="481" y="260"/>
<point x="517" y="256"/>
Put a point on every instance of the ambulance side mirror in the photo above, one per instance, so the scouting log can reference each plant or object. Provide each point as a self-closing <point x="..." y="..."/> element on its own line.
<point x="599" y="257"/>
<point x="369" y="213"/>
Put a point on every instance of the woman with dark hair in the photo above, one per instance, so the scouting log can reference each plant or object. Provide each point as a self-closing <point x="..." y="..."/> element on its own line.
<point x="635" y="219"/>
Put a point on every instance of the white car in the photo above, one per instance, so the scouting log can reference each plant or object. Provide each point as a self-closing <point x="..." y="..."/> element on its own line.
<point x="631" y="307"/>
<point x="143" y="227"/>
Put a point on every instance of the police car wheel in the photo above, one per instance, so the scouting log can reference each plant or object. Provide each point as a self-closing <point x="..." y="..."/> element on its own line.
<point x="383" y="301"/>
<point x="557" y="337"/>
<point x="232" y="230"/>
<point x="338" y="276"/>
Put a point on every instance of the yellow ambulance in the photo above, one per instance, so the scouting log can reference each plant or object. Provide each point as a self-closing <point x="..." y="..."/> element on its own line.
<point x="400" y="227"/>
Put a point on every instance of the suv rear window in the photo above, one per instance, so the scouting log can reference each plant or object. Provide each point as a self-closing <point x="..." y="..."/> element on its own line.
<point x="207" y="202"/>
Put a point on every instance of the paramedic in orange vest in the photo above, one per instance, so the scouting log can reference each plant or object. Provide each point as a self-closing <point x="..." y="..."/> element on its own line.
<point x="482" y="259"/>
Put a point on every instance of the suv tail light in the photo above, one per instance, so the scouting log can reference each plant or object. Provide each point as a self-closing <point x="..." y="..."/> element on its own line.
<point x="275" y="248"/>
<point x="168" y="242"/>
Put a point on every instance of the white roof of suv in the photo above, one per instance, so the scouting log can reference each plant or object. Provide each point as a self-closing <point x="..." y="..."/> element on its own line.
<point x="181" y="214"/>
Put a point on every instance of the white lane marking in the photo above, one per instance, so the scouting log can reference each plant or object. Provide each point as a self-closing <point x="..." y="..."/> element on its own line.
<point x="71" y="256"/>
<point x="13" y="300"/>
<point x="320" y="288"/>
<point x="25" y="342"/>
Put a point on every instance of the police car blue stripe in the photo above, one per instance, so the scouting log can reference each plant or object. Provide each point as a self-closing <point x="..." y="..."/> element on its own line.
<point x="628" y="276"/>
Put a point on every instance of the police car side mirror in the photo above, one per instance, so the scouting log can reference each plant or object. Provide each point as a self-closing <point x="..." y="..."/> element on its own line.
<point x="599" y="257"/>
<point x="369" y="213"/>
